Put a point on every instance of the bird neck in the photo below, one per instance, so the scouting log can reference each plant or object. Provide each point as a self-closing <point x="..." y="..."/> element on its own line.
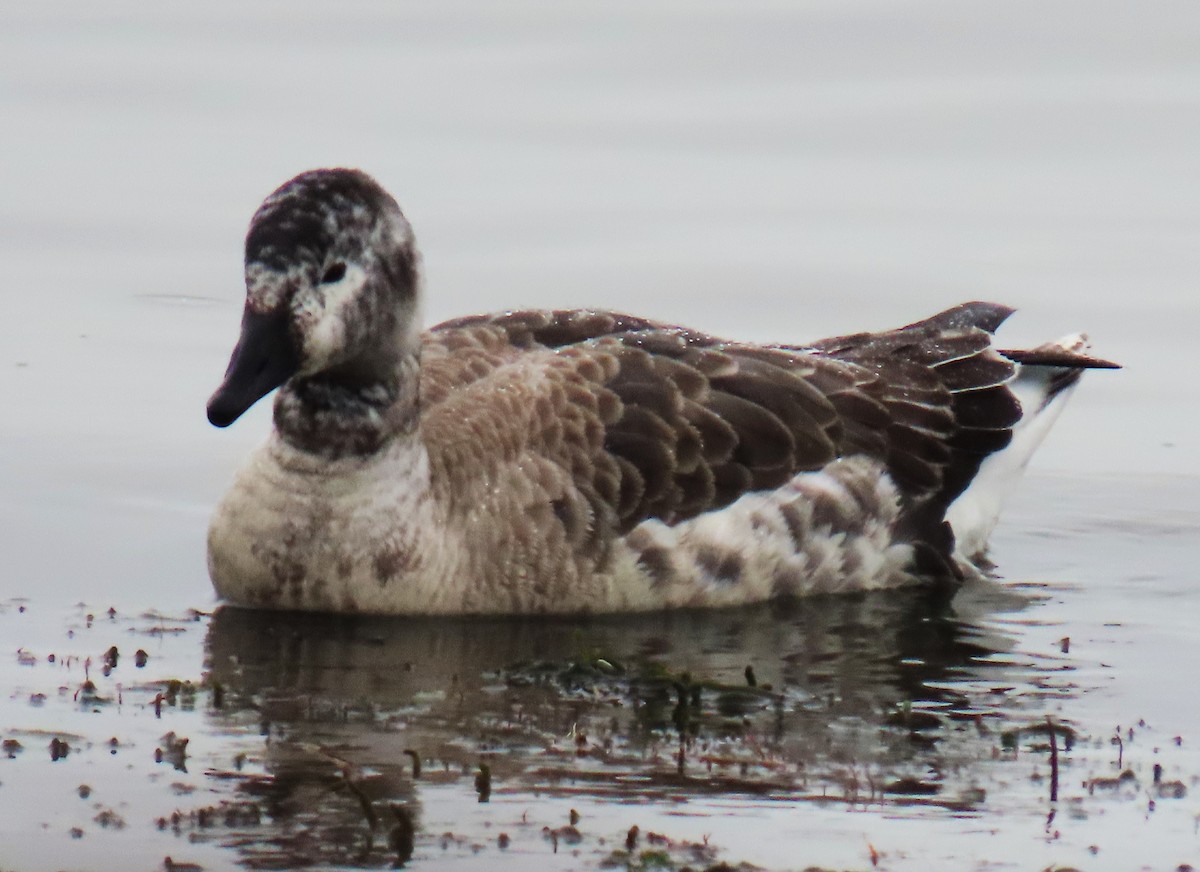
<point x="354" y="409"/>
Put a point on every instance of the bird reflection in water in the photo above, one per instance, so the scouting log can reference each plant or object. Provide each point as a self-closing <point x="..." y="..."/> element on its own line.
<point x="845" y="698"/>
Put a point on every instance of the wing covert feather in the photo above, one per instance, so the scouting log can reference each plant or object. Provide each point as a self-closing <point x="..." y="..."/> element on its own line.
<point x="663" y="422"/>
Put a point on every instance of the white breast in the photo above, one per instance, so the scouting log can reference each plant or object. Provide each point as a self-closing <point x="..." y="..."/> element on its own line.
<point x="351" y="535"/>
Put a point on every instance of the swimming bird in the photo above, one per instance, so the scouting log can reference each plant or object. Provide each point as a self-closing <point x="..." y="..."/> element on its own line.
<point x="574" y="461"/>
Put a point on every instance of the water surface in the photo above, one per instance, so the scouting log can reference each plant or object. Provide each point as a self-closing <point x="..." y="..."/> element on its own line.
<point x="769" y="171"/>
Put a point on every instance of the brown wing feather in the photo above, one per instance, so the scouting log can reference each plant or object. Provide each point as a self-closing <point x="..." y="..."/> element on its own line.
<point x="663" y="422"/>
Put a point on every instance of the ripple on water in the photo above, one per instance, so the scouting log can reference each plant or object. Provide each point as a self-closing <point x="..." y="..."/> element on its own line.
<point x="270" y="739"/>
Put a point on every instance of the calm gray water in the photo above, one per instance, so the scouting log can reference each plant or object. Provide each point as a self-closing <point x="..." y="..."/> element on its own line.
<point x="771" y="171"/>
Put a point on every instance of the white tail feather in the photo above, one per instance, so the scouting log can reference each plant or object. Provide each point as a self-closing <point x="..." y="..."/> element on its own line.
<point x="1043" y="394"/>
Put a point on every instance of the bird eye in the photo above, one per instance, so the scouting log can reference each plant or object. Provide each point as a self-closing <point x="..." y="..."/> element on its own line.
<point x="334" y="273"/>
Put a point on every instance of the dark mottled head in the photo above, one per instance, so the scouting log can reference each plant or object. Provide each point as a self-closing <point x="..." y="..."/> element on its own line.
<point x="331" y="287"/>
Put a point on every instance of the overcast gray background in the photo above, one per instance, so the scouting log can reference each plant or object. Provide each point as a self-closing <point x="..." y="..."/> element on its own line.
<point x="772" y="171"/>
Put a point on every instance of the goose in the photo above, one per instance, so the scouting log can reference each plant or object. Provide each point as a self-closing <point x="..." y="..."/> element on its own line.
<point x="589" y="461"/>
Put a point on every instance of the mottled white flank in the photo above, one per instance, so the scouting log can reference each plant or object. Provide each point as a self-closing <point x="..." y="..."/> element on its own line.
<point x="805" y="557"/>
<point x="973" y="516"/>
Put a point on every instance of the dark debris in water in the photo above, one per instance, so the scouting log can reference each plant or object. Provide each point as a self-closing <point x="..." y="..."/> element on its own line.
<point x="342" y="743"/>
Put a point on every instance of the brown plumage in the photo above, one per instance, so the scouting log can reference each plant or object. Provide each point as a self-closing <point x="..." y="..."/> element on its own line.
<point x="539" y="461"/>
<point x="665" y="422"/>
